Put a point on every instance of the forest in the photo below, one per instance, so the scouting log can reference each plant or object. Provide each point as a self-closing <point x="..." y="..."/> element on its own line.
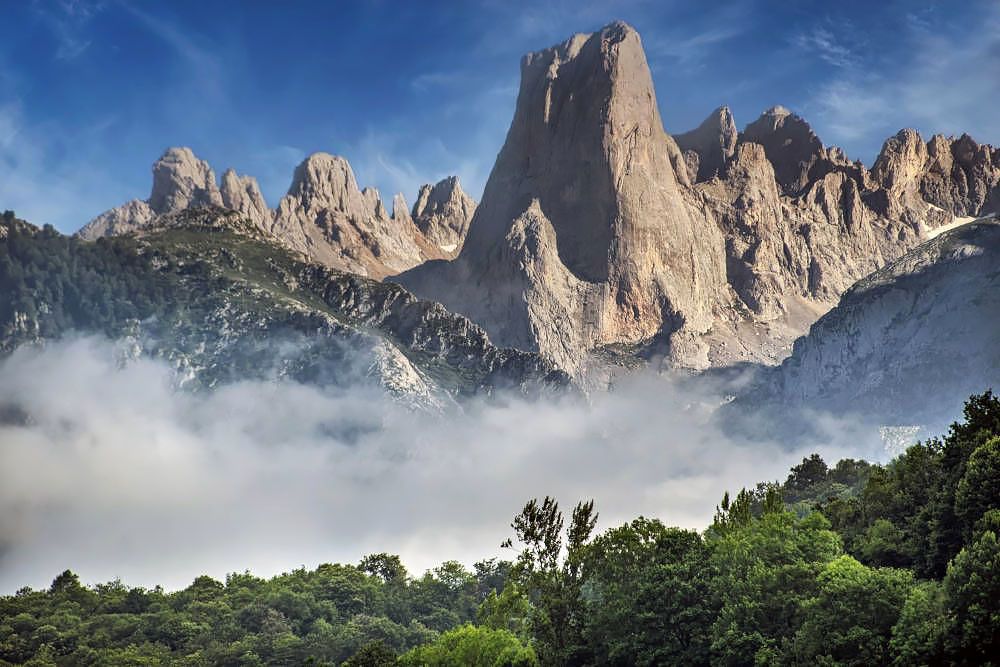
<point x="854" y="564"/>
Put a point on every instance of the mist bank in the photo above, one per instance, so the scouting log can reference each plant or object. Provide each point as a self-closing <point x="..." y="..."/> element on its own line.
<point x="115" y="473"/>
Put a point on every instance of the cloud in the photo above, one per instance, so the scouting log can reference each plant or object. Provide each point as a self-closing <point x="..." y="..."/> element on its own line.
<point x="822" y="42"/>
<point x="687" y="50"/>
<point x="45" y="183"/>
<point x="942" y="82"/>
<point x="429" y="80"/>
<point x="202" y="67"/>
<point x="68" y="21"/>
<point x="118" y="474"/>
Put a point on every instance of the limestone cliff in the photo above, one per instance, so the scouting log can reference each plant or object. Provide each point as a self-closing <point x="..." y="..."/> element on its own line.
<point x="327" y="218"/>
<point x="324" y="217"/>
<point x="443" y="213"/>
<point x="710" y="144"/>
<point x="909" y="342"/>
<point x="597" y="230"/>
<point x="583" y="236"/>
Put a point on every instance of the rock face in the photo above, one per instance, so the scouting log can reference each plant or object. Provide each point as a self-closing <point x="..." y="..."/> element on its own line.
<point x="443" y="213"/>
<point x="583" y="236"/>
<point x="598" y="230"/>
<point x="180" y="180"/>
<point x="910" y="342"/>
<point x="325" y="216"/>
<point x="790" y="144"/>
<point x="711" y="144"/>
<point x="242" y="194"/>
<point x="600" y="236"/>
<point x="130" y="217"/>
<point x="961" y="176"/>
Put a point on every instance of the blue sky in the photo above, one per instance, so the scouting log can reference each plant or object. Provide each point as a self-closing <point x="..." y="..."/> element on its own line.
<point x="91" y="93"/>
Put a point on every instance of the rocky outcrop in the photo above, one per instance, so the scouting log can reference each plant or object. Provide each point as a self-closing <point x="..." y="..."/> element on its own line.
<point x="961" y="176"/>
<point x="958" y="176"/>
<point x="791" y="145"/>
<point x="180" y="181"/>
<point x="711" y="144"/>
<point x="242" y="194"/>
<point x="597" y="230"/>
<point x="584" y="236"/>
<point x="443" y="213"/>
<point x="909" y="342"/>
<point x="325" y="216"/>
<point x="128" y="218"/>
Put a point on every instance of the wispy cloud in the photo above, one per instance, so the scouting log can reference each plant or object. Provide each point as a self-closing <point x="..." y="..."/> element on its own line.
<point x="687" y="50"/>
<point x="69" y="22"/>
<point x="42" y="182"/>
<point x="823" y="43"/>
<point x="202" y="66"/>
<point x="429" y="80"/>
<point x="948" y="82"/>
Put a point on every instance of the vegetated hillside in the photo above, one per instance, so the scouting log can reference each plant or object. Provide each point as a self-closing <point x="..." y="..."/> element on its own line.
<point x="208" y="292"/>
<point x="858" y="564"/>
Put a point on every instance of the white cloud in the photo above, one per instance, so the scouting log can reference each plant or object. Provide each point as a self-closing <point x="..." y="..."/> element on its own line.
<point x="118" y="475"/>
<point x="822" y="42"/>
<point x="690" y="49"/>
<point x="68" y="21"/>
<point x="947" y="83"/>
<point x="45" y="183"/>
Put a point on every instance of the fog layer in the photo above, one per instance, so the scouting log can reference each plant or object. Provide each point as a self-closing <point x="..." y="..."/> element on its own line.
<point x="117" y="474"/>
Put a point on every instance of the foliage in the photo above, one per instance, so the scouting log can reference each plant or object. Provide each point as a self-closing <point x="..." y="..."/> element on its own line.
<point x="471" y="646"/>
<point x="326" y="615"/>
<point x="767" y="583"/>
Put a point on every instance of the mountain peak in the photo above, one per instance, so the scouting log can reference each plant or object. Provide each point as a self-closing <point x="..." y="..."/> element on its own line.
<point x="443" y="212"/>
<point x="713" y="142"/>
<point x="583" y="236"/>
<point x="181" y="180"/>
<point x="790" y="144"/>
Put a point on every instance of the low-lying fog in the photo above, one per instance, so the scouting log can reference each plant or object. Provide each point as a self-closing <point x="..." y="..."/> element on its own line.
<point x="116" y="474"/>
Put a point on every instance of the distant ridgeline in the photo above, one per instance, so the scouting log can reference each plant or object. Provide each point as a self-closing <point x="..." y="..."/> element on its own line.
<point x="206" y="291"/>
<point x="858" y="564"/>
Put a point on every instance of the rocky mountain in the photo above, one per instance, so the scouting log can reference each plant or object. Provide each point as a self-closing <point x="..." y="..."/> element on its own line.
<point x="600" y="235"/>
<point x="443" y="213"/>
<point x="325" y="216"/>
<point x="218" y="298"/>
<point x="708" y="146"/>
<point x="584" y="236"/>
<point x="909" y="342"/>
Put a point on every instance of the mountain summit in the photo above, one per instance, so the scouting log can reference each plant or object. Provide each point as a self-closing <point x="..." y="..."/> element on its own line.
<point x="583" y="237"/>
<point x="596" y="233"/>
<point x="325" y="216"/>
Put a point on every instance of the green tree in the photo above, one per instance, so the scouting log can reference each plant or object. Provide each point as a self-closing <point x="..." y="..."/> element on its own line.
<point x="647" y="596"/>
<point x="973" y="587"/>
<point x="372" y="654"/>
<point x="553" y="587"/>
<point x="471" y="646"/>
<point x="979" y="489"/>
<point x="849" y="620"/>
<point x="918" y="636"/>
<point x="765" y="570"/>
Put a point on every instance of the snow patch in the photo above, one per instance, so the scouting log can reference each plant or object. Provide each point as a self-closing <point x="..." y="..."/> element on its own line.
<point x="957" y="222"/>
